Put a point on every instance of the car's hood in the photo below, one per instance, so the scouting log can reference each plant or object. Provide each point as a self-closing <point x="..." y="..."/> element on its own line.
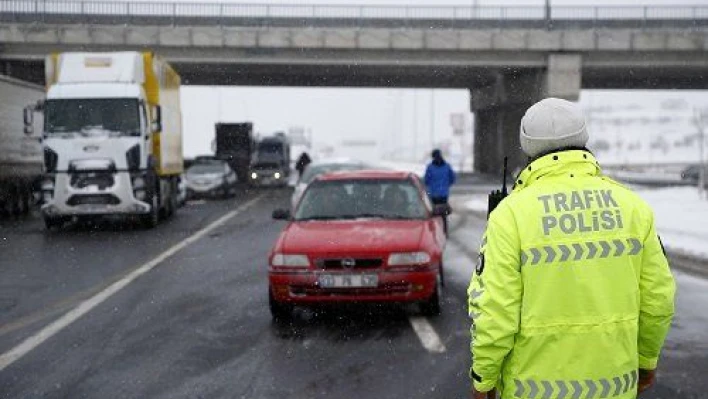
<point x="351" y="237"/>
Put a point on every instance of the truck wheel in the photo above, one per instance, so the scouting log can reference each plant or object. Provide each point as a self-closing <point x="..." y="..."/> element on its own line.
<point x="17" y="201"/>
<point x="280" y="311"/>
<point x="152" y="219"/>
<point x="174" y="194"/>
<point x="431" y="306"/>
<point x="27" y="200"/>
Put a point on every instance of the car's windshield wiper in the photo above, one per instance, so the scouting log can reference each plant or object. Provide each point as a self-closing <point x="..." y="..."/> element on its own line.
<point x="374" y="215"/>
<point x="321" y="217"/>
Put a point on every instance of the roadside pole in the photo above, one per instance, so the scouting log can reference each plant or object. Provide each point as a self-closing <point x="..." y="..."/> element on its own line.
<point x="457" y="122"/>
<point x="702" y="159"/>
<point x="701" y="119"/>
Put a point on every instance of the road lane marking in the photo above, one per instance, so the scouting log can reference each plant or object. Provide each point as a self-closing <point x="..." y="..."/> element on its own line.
<point x="86" y="306"/>
<point x="427" y="335"/>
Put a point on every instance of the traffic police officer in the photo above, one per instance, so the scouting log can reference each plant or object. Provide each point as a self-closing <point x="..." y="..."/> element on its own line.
<point x="572" y="296"/>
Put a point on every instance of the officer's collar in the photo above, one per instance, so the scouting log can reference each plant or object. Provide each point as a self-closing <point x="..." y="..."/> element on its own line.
<point x="573" y="162"/>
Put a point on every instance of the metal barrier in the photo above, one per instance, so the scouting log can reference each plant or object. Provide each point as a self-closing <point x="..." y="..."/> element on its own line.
<point x="79" y="11"/>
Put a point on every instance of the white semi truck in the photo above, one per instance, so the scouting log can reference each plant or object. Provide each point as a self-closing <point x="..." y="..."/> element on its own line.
<point x="112" y="137"/>
<point x="21" y="162"/>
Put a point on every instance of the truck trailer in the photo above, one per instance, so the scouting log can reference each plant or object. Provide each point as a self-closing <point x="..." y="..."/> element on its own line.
<point x="21" y="161"/>
<point x="235" y="144"/>
<point x="112" y="137"/>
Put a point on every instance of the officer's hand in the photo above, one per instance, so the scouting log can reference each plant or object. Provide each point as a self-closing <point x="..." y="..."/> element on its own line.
<point x="475" y="394"/>
<point x="646" y="379"/>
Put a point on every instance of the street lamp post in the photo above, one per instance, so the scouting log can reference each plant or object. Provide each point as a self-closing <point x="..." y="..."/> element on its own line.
<point x="701" y="120"/>
<point x="432" y="118"/>
<point x="702" y="143"/>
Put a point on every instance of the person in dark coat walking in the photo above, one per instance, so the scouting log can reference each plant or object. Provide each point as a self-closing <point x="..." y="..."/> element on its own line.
<point x="439" y="176"/>
<point x="302" y="163"/>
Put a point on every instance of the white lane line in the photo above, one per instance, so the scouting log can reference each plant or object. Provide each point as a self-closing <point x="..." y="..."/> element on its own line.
<point x="427" y="335"/>
<point x="84" y="307"/>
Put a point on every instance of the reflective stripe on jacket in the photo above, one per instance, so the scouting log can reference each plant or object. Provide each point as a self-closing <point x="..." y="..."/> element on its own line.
<point x="573" y="292"/>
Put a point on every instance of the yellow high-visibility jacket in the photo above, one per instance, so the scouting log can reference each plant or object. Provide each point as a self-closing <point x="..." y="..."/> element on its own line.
<point x="573" y="292"/>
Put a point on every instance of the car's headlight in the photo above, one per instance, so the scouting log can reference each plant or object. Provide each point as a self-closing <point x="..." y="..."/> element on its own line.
<point x="290" y="260"/>
<point x="408" y="258"/>
<point x="277" y="175"/>
<point x="254" y="175"/>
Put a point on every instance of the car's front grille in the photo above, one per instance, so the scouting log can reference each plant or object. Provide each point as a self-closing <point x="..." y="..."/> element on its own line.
<point x="349" y="263"/>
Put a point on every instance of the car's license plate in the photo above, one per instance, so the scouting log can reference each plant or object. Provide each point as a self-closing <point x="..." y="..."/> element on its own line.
<point x="348" y="280"/>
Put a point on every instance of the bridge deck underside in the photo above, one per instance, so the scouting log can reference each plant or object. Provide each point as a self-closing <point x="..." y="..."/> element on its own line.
<point x="686" y="75"/>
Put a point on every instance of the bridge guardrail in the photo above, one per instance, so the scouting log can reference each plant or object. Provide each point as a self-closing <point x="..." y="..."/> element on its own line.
<point x="178" y="13"/>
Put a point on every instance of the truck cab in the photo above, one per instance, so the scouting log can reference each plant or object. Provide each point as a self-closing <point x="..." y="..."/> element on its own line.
<point x="107" y="151"/>
<point x="271" y="162"/>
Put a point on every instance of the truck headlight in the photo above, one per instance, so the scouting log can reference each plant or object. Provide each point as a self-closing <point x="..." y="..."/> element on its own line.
<point x="277" y="175"/>
<point x="254" y="175"/>
<point x="283" y="260"/>
<point x="408" y="258"/>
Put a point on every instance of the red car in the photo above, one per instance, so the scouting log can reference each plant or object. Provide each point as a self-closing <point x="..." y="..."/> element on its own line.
<point x="359" y="236"/>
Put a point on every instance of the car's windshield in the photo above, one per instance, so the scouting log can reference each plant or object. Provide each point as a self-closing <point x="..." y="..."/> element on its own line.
<point x="361" y="198"/>
<point x="206" y="168"/>
<point x="115" y="115"/>
<point x="314" y="171"/>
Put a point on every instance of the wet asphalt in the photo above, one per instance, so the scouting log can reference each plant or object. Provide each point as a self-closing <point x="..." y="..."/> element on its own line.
<point x="198" y="325"/>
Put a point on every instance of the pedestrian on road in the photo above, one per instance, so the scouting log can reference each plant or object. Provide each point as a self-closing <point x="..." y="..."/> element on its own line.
<point x="301" y="163"/>
<point x="439" y="176"/>
<point x="572" y="296"/>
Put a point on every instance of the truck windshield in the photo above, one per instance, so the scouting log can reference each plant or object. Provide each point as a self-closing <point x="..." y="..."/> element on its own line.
<point x="270" y="148"/>
<point x="115" y="115"/>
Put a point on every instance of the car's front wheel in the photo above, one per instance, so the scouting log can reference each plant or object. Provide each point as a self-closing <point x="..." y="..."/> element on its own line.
<point x="431" y="306"/>
<point x="279" y="310"/>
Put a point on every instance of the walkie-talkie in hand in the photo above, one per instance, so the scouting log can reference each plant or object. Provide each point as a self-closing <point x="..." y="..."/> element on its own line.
<point x="496" y="196"/>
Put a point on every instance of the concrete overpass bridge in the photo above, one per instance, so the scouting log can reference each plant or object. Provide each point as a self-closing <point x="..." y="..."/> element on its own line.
<point x="508" y="57"/>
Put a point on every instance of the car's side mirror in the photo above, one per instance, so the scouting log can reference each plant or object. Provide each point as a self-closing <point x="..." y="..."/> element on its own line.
<point x="281" y="214"/>
<point x="441" y="210"/>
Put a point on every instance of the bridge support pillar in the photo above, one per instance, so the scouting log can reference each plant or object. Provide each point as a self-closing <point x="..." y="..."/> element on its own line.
<point x="499" y="107"/>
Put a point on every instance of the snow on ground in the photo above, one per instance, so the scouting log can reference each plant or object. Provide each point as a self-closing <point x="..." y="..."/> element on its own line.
<point x="477" y="203"/>
<point x="681" y="217"/>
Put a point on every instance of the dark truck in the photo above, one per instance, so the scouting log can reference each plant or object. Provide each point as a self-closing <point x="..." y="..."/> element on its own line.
<point x="271" y="161"/>
<point x="235" y="145"/>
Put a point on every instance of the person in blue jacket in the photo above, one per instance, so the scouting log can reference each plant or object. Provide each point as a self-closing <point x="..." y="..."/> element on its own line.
<point x="439" y="176"/>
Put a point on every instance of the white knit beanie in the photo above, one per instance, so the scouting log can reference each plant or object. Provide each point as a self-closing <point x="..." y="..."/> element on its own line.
<point x="551" y="124"/>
